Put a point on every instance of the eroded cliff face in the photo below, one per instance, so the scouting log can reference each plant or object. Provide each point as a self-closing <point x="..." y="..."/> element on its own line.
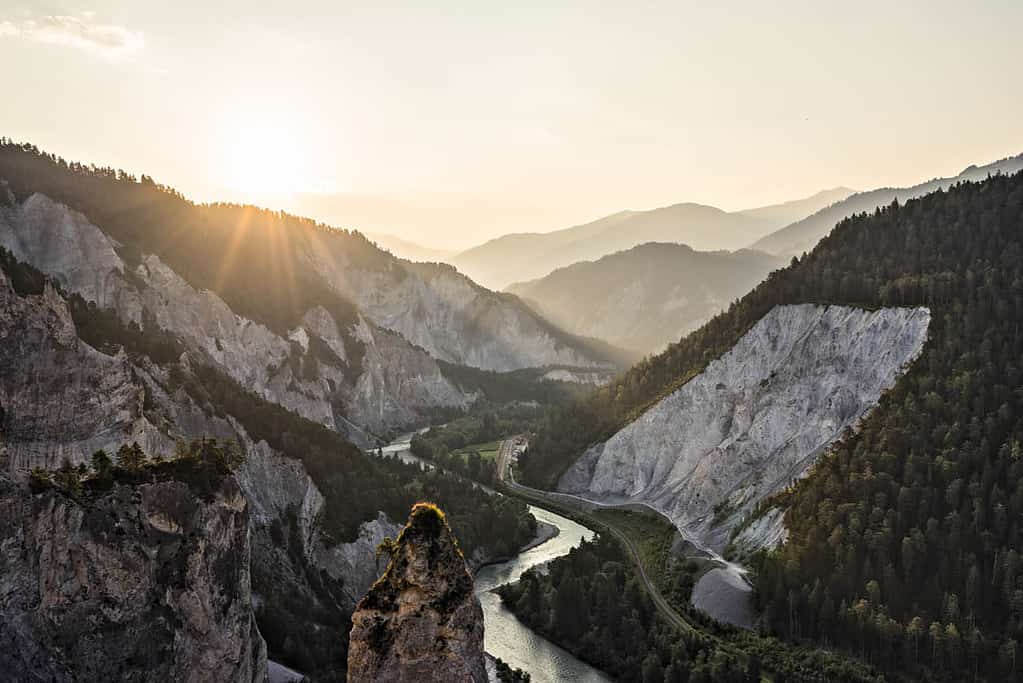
<point x="421" y="622"/>
<point x="442" y="311"/>
<point x="755" y="420"/>
<point x="307" y="372"/>
<point x="140" y="583"/>
<point x="61" y="399"/>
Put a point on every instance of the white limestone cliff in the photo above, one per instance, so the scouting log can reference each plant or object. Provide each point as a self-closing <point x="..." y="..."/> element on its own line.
<point x="397" y="381"/>
<point x="754" y="420"/>
<point x="440" y="310"/>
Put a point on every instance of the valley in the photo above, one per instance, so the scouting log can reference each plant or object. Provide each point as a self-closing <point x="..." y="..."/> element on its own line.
<point x="483" y="342"/>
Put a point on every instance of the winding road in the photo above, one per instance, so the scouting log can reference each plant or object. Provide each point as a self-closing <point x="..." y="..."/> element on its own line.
<point x="580" y="507"/>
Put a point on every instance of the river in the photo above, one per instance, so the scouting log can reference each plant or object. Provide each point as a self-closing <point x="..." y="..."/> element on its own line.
<point x="508" y="638"/>
<point x="505" y="636"/>
<point x="402" y="447"/>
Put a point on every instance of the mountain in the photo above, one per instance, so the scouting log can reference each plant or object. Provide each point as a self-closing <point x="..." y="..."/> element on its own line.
<point x="75" y="382"/>
<point x="521" y="257"/>
<point x="526" y="256"/>
<point x="647" y="296"/>
<point x="410" y="251"/>
<point x="797" y="209"/>
<point x="315" y="319"/>
<point x="134" y="321"/>
<point x="901" y="325"/>
<point x="421" y="622"/>
<point x="803" y="234"/>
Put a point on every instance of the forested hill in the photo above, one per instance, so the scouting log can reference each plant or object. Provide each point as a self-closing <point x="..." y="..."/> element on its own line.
<point x="648" y="296"/>
<point x="802" y="235"/>
<point x="905" y="543"/>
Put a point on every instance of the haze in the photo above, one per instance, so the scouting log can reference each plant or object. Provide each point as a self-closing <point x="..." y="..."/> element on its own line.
<point x="451" y="123"/>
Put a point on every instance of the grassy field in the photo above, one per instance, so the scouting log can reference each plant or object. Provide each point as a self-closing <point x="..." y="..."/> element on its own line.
<point x="487" y="451"/>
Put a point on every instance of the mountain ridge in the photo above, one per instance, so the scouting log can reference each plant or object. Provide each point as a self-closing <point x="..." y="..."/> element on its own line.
<point x="316" y="318"/>
<point x="518" y="257"/>
<point x="802" y="235"/>
<point x="647" y="296"/>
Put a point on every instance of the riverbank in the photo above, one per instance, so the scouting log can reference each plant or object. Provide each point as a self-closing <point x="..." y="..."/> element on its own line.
<point x="511" y="640"/>
<point x="544" y="533"/>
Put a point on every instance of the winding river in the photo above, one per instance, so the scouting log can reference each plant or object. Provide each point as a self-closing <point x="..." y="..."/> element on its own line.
<point x="505" y="636"/>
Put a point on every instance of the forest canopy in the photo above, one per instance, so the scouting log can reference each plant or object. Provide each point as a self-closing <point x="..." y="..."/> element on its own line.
<point x="905" y="540"/>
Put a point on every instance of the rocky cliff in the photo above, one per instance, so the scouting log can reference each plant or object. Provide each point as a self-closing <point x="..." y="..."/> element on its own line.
<point x="59" y="397"/>
<point x="755" y="420"/>
<point x="367" y="373"/>
<point x="438" y="309"/>
<point x="309" y="371"/>
<point x="61" y="400"/>
<point x="421" y="622"/>
<point x="137" y="583"/>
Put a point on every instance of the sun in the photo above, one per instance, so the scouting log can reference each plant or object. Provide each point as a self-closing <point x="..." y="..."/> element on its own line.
<point x="264" y="161"/>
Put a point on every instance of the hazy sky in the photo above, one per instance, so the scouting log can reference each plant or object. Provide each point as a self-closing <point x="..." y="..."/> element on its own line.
<point x="450" y="122"/>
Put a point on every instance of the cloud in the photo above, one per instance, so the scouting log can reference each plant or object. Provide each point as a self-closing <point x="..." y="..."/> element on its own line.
<point x="82" y="32"/>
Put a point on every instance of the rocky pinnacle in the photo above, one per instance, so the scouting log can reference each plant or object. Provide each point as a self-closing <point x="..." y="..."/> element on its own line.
<point x="421" y="620"/>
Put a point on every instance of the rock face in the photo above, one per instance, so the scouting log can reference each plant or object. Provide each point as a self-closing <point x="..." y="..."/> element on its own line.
<point x="438" y="309"/>
<point x="397" y="381"/>
<point x="139" y="583"/>
<point x="755" y="420"/>
<point x="61" y="399"/>
<point x="410" y="316"/>
<point x="421" y="622"/>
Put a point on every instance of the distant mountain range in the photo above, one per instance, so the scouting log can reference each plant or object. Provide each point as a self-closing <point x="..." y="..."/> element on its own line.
<point x="647" y="296"/>
<point x="526" y="256"/>
<point x="803" y="234"/>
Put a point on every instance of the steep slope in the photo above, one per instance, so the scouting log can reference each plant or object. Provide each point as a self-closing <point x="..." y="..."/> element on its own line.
<point x="455" y="320"/>
<point x="520" y="257"/>
<point x="646" y="297"/>
<point x="363" y="375"/>
<point x="754" y="420"/>
<point x="903" y="528"/>
<point x="798" y="209"/>
<point x="421" y="622"/>
<point x="802" y="235"/>
<point x="137" y="582"/>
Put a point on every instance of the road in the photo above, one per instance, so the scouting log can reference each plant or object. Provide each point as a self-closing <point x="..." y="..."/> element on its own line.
<point x="580" y="507"/>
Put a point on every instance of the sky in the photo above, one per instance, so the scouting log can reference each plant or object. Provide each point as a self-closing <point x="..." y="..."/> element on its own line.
<point x="448" y="123"/>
